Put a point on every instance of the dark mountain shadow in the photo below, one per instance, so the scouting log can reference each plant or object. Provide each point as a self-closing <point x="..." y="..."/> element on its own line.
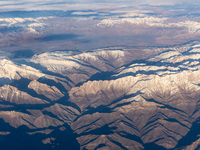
<point x="57" y="37"/>
<point x="6" y="29"/>
<point x="26" y="53"/>
<point x="22" y="85"/>
<point x="98" y="76"/>
<point x="4" y="81"/>
<point x="101" y="76"/>
<point x="190" y="137"/>
<point x="65" y="140"/>
<point x="18" y="139"/>
<point x="153" y="146"/>
<point x="51" y="82"/>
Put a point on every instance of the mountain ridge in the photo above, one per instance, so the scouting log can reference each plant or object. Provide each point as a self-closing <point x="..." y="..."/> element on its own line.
<point x="107" y="99"/>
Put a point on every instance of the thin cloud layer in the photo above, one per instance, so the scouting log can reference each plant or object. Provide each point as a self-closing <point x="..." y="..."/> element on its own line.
<point x="13" y="5"/>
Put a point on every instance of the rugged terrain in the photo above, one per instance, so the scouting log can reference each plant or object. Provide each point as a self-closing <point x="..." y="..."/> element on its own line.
<point x="109" y="98"/>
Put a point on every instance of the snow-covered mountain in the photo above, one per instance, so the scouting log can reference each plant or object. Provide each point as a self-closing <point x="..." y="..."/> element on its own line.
<point x="110" y="98"/>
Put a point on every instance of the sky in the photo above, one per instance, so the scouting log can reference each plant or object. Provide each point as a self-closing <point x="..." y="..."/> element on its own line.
<point x="65" y="5"/>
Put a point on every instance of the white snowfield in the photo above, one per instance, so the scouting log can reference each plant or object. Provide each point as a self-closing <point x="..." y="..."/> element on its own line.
<point x="61" y="61"/>
<point x="29" y="24"/>
<point x="12" y="71"/>
<point x="141" y="19"/>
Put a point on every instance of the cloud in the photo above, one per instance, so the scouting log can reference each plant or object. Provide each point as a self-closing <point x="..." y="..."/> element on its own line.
<point x="170" y="2"/>
<point x="13" y="5"/>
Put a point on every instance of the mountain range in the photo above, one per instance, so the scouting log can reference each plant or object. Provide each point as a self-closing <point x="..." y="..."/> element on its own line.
<point x="109" y="98"/>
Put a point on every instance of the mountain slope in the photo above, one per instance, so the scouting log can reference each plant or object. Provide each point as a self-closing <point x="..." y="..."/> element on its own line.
<point x="112" y="98"/>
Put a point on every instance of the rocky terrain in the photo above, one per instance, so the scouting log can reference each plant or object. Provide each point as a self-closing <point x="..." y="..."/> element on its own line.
<point x="109" y="98"/>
